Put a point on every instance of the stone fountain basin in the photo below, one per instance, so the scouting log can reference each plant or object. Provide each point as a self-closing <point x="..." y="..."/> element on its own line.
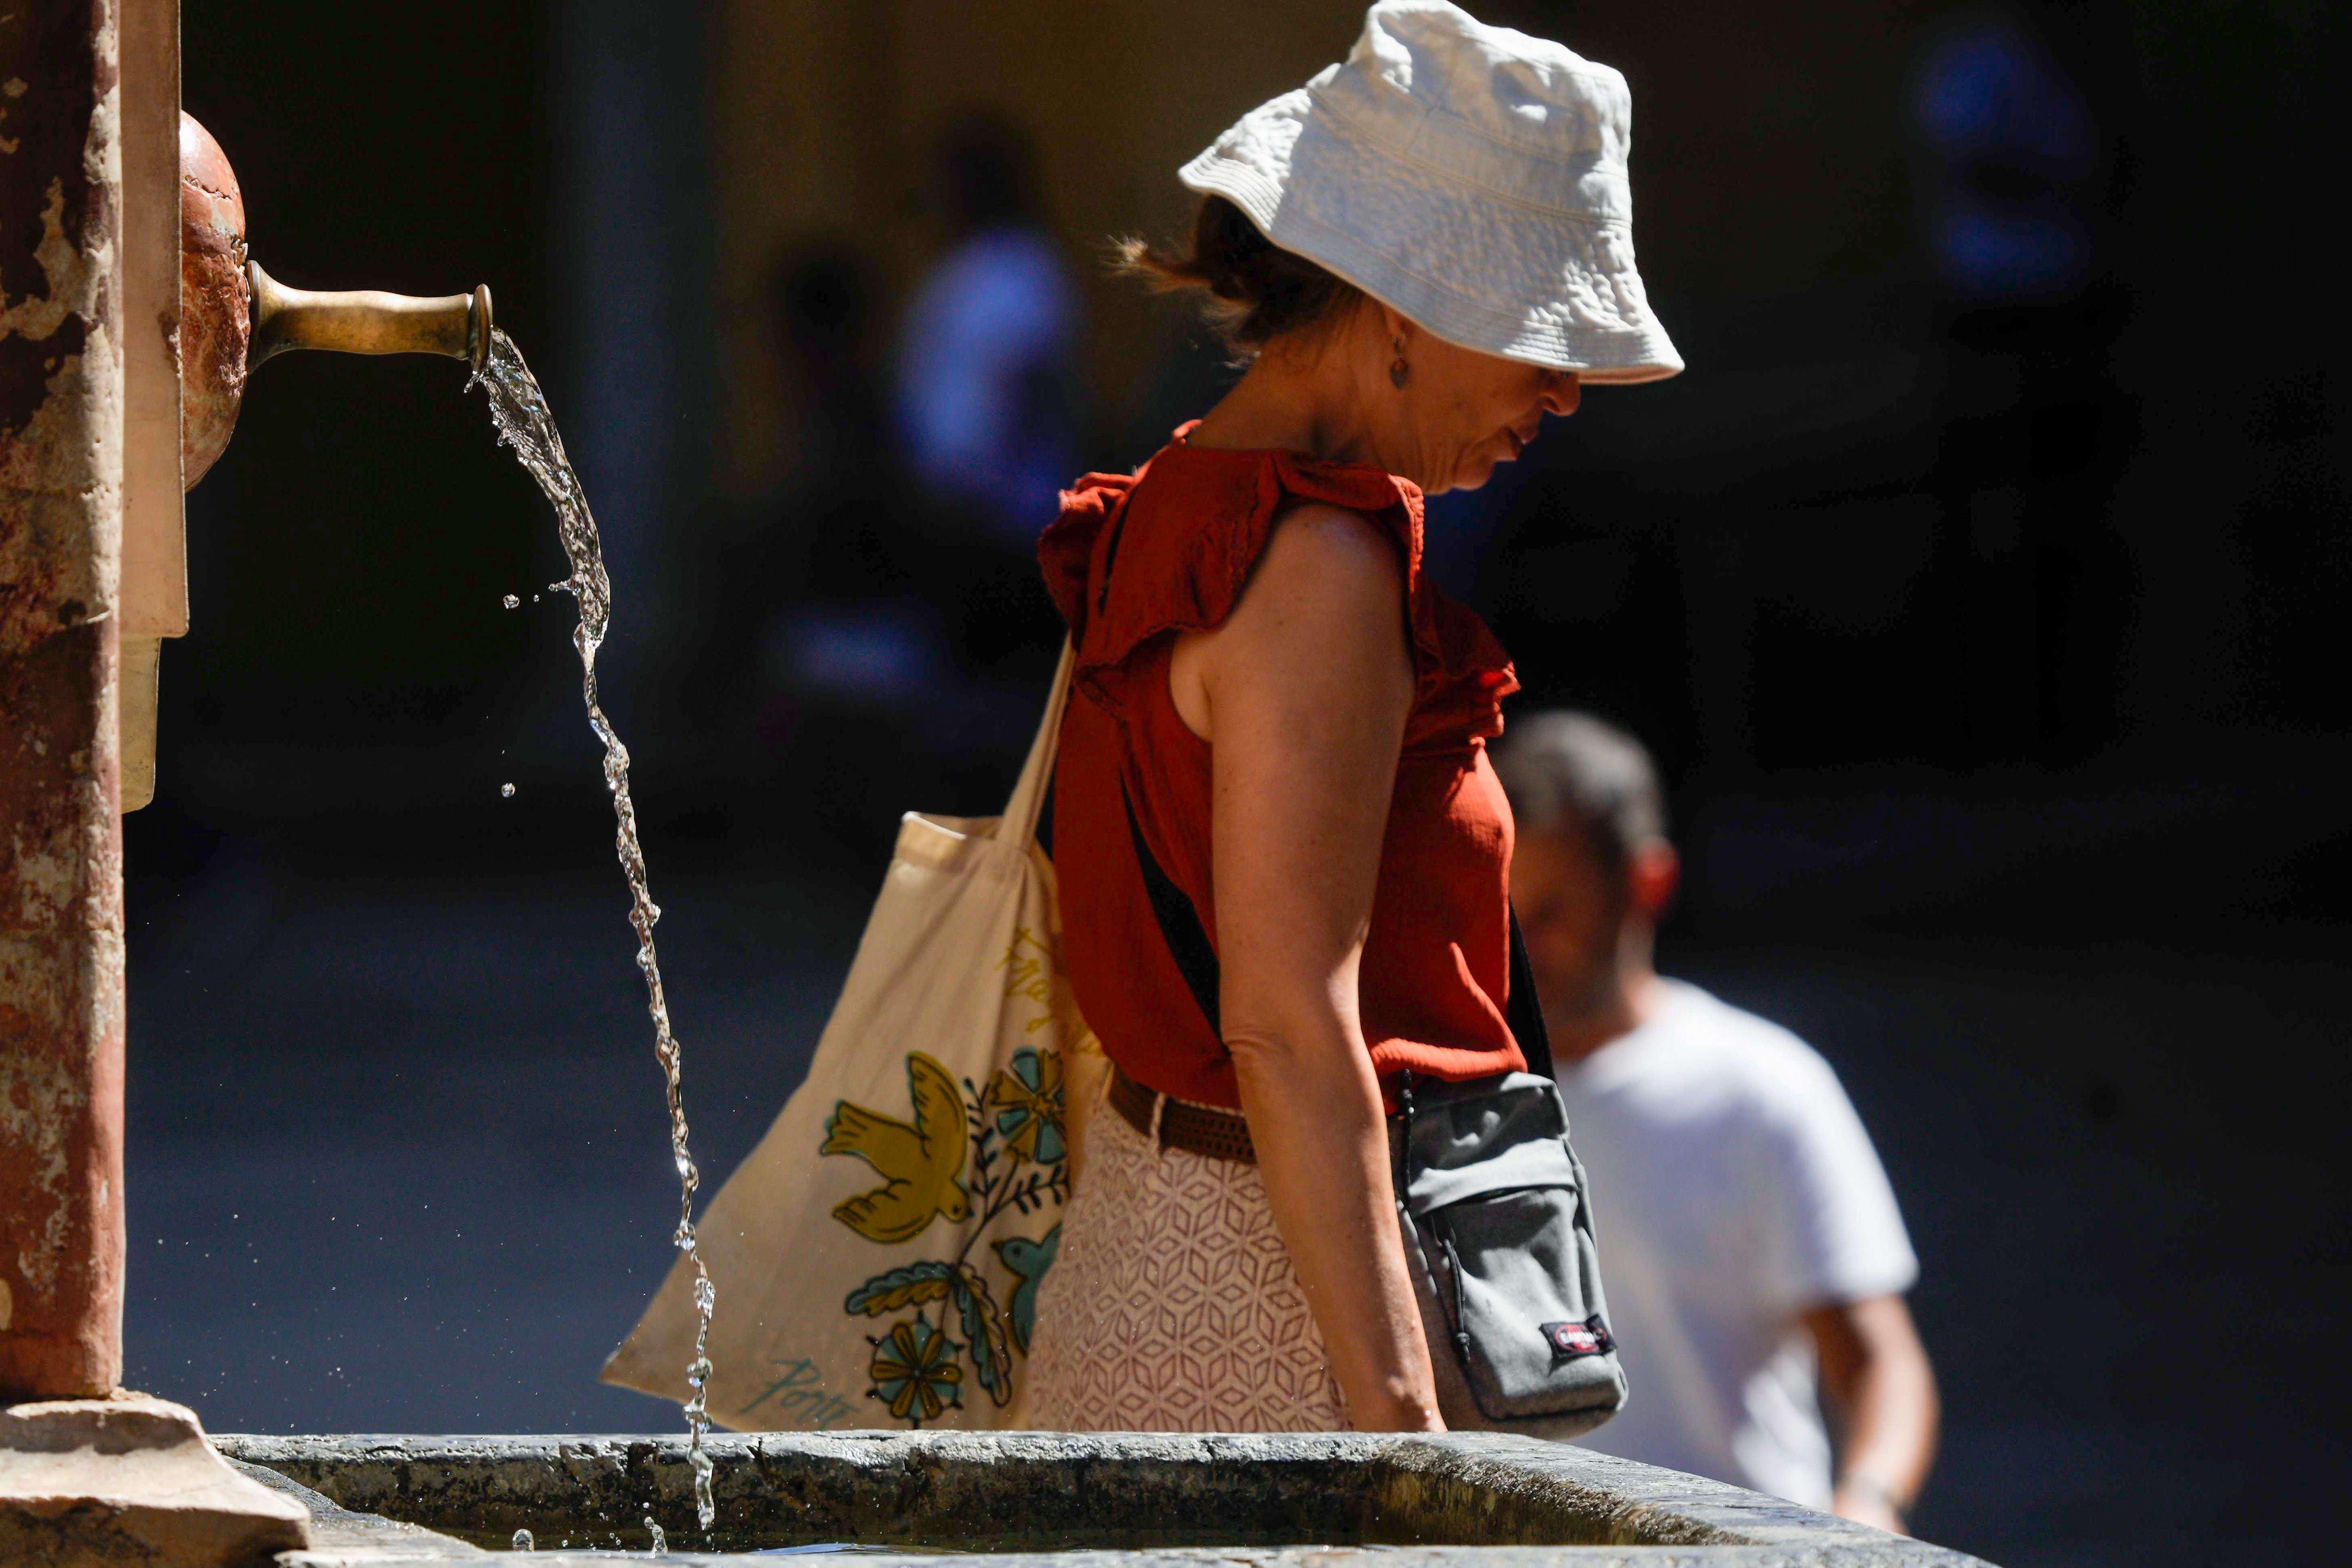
<point x="1036" y="1500"/>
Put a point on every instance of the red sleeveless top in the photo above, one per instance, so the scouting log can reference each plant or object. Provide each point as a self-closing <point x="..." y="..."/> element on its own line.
<point x="1134" y="562"/>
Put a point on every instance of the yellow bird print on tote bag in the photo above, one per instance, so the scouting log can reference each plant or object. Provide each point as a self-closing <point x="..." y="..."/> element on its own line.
<point x="923" y="1162"/>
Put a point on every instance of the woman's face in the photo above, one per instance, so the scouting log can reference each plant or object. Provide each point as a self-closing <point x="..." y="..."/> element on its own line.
<point x="1461" y="412"/>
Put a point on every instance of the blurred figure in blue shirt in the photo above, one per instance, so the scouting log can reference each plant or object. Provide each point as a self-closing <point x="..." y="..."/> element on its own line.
<point x="2015" y="153"/>
<point x="985" y="367"/>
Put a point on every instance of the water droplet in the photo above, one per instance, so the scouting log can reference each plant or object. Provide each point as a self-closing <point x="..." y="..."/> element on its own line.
<point x="506" y="790"/>
<point x="512" y="602"/>
<point x="522" y="1540"/>
<point x="706" y="1509"/>
<point x="661" y="1541"/>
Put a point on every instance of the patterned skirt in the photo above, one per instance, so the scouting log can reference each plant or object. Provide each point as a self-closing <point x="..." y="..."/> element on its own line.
<point x="1172" y="1305"/>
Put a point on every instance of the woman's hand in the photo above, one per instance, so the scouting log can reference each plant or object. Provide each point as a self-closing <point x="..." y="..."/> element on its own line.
<point x="1304" y="692"/>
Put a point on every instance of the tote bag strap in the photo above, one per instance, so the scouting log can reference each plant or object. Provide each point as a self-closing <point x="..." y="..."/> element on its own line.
<point x="1020" y="813"/>
<point x="1028" y="802"/>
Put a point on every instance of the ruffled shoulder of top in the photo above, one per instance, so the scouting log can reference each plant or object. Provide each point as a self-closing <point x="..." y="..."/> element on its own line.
<point x="1171" y="549"/>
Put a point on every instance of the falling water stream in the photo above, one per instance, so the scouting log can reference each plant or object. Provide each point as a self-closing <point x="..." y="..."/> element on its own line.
<point x="519" y="411"/>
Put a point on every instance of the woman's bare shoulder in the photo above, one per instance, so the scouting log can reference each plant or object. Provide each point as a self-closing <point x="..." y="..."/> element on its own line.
<point x="1328" y="552"/>
<point x="1320" y="620"/>
<point x="1327" y="592"/>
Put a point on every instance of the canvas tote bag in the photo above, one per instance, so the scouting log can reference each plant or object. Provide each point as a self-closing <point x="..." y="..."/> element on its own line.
<point x="878" y="1256"/>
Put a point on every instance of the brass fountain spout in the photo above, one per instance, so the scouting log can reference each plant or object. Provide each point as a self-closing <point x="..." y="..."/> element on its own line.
<point x="366" y="321"/>
<point x="234" y="316"/>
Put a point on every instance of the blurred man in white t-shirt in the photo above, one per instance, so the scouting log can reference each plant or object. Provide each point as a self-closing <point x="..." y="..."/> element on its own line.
<point x="1754" y="1258"/>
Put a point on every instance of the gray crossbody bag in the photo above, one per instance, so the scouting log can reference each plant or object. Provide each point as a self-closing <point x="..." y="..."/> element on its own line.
<point x="1497" y="1219"/>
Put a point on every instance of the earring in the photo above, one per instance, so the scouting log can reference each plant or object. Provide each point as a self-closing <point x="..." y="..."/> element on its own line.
<point x="1399" y="371"/>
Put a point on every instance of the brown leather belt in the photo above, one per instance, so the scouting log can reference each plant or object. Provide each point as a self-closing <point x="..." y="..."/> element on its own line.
<point x="1196" y="1129"/>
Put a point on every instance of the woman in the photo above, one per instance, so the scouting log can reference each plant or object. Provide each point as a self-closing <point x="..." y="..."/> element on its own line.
<point x="1279" y="726"/>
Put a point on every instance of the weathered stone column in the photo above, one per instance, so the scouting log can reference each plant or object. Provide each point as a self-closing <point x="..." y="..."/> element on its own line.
<point x="61" y="1007"/>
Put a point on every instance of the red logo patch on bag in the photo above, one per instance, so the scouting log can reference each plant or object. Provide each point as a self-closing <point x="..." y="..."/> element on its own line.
<point x="1568" y="1341"/>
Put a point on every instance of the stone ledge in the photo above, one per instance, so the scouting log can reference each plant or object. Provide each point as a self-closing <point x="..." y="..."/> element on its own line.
<point x="339" y="1535"/>
<point x="1038" y="1499"/>
<point x="1223" y="1557"/>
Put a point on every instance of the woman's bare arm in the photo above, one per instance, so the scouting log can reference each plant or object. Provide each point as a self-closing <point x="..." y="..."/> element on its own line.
<point x="1302" y="691"/>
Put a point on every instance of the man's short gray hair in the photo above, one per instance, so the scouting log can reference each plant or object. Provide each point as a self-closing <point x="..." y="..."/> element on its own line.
<point x="1570" y="770"/>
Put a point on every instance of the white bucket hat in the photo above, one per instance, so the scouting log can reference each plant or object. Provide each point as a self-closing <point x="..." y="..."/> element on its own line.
<point x="1471" y="176"/>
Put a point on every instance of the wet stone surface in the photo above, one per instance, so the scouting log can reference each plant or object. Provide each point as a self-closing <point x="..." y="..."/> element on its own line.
<point x="1036" y="1499"/>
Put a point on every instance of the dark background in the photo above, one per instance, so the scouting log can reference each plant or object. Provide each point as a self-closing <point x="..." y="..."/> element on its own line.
<point x="1990" y="640"/>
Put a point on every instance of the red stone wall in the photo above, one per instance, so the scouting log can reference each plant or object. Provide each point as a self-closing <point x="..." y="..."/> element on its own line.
<point x="61" y="1237"/>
